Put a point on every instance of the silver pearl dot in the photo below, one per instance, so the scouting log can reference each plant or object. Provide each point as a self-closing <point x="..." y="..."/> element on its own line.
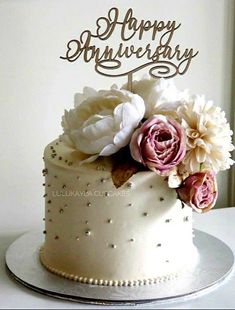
<point x="145" y="214"/>
<point x="77" y="238"/>
<point x="113" y="246"/>
<point x="109" y="221"/>
<point x="106" y="194"/>
<point x="88" y="184"/>
<point x="132" y="240"/>
<point x="102" y="180"/>
<point x="88" y="232"/>
<point x="129" y="204"/>
<point x="64" y="186"/>
<point x="129" y="185"/>
<point x="87" y="222"/>
<point x="61" y="211"/>
<point x="89" y="204"/>
<point x="161" y="198"/>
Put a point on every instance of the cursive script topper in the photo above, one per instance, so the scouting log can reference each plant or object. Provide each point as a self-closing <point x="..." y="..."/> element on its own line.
<point x="159" y="55"/>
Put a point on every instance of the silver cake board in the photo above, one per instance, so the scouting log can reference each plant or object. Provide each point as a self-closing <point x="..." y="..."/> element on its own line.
<point x="215" y="264"/>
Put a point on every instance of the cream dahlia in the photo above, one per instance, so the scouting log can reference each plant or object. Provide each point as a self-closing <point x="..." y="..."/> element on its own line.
<point x="208" y="134"/>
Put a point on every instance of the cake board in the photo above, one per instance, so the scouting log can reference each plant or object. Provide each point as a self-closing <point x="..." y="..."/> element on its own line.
<point x="215" y="264"/>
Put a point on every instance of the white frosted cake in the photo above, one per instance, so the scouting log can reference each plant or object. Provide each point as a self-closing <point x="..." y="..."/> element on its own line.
<point x="98" y="234"/>
<point x="126" y="219"/>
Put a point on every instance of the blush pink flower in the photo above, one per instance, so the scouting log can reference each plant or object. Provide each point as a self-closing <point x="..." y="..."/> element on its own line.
<point x="159" y="144"/>
<point x="199" y="191"/>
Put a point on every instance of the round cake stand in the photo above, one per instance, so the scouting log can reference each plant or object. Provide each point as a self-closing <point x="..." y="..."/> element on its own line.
<point x="215" y="263"/>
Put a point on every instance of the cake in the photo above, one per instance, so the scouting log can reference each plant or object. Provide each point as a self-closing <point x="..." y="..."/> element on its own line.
<point x="122" y="182"/>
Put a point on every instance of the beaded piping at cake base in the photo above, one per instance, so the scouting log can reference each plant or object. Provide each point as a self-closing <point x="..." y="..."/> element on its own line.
<point x="104" y="281"/>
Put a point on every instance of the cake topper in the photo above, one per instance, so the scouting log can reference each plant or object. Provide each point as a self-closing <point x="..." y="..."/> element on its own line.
<point x="160" y="55"/>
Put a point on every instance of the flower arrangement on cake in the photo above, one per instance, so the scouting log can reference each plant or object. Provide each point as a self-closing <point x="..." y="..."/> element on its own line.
<point x="183" y="138"/>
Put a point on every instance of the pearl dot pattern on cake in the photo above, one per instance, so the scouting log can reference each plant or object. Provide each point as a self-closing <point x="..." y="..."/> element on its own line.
<point x="127" y="219"/>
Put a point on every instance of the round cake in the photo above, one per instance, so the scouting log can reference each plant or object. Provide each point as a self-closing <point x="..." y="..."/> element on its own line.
<point x="139" y="233"/>
<point x="123" y="179"/>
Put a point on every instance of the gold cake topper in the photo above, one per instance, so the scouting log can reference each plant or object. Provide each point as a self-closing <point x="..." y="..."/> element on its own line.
<point x="160" y="55"/>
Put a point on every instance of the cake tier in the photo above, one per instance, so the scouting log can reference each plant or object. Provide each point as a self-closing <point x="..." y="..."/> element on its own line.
<point x="95" y="233"/>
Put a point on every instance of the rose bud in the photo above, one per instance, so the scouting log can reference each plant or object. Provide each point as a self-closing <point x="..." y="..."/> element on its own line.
<point x="199" y="191"/>
<point x="159" y="144"/>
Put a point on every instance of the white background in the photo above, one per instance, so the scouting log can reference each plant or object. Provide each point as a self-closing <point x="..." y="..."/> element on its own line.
<point x="36" y="85"/>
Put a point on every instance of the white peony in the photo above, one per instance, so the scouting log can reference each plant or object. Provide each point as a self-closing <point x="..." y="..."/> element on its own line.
<point x="87" y="93"/>
<point x="104" y="122"/>
<point x="208" y="133"/>
<point x="160" y="95"/>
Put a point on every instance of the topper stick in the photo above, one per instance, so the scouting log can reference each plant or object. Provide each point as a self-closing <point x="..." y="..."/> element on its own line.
<point x="129" y="81"/>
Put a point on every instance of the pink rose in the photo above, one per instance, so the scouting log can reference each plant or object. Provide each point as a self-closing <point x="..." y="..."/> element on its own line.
<point x="159" y="144"/>
<point x="199" y="191"/>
